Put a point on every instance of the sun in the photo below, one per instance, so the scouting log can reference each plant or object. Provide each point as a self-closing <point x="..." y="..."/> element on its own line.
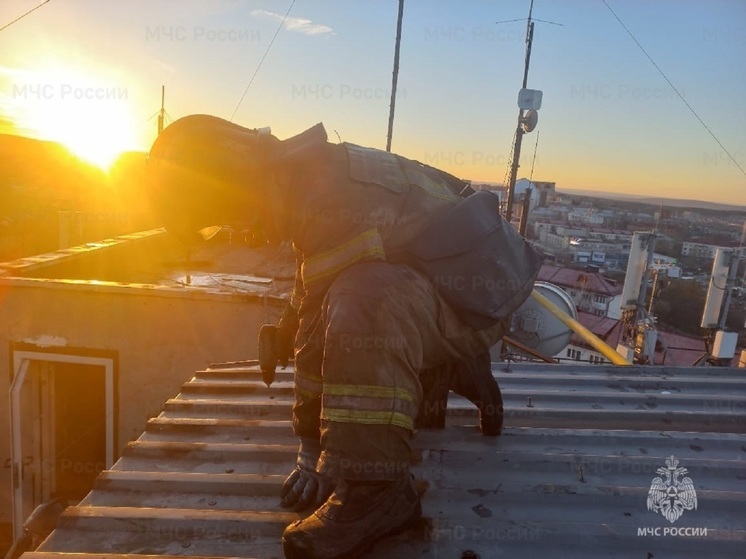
<point x="94" y="131"/>
<point x="92" y="118"/>
<point x="98" y="140"/>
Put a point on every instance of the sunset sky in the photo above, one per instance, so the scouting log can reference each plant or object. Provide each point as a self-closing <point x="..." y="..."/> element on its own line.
<point x="89" y="73"/>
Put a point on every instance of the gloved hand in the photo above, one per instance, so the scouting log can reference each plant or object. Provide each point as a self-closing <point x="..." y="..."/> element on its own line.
<point x="305" y="486"/>
<point x="472" y="379"/>
<point x="286" y="330"/>
<point x="276" y="343"/>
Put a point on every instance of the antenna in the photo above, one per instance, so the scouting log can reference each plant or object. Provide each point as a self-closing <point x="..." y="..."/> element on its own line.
<point x="529" y="100"/>
<point x="718" y="286"/>
<point x="529" y="120"/>
<point x="721" y="343"/>
<point x="395" y="78"/>
<point x="638" y="336"/>
<point x="162" y="113"/>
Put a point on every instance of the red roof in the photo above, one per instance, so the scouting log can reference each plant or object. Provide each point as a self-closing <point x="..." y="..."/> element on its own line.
<point x="675" y="349"/>
<point x="577" y="279"/>
<point x="608" y="329"/>
<point x="671" y="349"/>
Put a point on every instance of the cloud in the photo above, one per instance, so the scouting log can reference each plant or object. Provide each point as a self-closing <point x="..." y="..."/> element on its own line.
<point x="298" y="24"/>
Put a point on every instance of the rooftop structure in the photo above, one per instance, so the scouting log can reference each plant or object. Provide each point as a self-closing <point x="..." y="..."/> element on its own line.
<point x="573" y="475"/>
<point x="591" y="292"/>
<point x="671" y="349"/>
<point x="94" y="338"/>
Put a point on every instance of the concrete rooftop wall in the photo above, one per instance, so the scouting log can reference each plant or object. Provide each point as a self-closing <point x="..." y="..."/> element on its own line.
<point x="157" y="335"/>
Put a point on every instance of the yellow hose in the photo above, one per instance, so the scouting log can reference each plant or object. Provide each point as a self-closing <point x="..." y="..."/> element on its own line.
<point x="598" y="344"/>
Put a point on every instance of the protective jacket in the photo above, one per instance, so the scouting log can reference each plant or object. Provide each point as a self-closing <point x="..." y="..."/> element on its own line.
<point x="349" y="204"/>
<point x="369" y="323"/>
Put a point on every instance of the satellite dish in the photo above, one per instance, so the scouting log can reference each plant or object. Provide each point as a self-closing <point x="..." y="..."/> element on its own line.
<point x="529" y="120"/>
<point x="537" y="328"/>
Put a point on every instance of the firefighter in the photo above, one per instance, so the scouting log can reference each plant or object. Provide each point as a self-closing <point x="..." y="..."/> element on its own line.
<point x="369" y="332"/>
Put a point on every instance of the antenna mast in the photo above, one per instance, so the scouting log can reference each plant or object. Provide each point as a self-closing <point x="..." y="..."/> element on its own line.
<point x="162" y="113"/>
<point x="395" y="78"/>
<point x="520" y="128"/>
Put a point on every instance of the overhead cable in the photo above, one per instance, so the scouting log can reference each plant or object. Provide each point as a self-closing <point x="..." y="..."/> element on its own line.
<point x="4" y="27"/>
<point x="269" y="46"/>
<point x="691" y="109"/>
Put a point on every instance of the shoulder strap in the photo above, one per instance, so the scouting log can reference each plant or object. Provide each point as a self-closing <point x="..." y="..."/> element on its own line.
<point x="374" y="166"/>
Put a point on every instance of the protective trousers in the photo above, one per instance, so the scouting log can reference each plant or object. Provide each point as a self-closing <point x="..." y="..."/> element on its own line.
<point x="358" y="362"/>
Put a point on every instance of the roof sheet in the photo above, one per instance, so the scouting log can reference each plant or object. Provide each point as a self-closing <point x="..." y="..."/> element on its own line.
<point x="569" y="477"/>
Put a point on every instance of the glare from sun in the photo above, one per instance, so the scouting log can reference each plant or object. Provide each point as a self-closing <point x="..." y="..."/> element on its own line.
<point x="95" y="139"/>
<point x="90" y="118"/>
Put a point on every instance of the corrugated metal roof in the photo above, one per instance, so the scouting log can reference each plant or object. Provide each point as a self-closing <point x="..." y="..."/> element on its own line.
<point x="568" y="478"/>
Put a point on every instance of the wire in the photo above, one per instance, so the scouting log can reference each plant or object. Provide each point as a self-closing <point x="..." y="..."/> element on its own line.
<point x="691" y="109"/>
<point x="549" y="22"/>
<point x="4" y="27"/>
<point x="269" y="46"/>
<point x="510" y="159"/>
<point x="533" y="19"/>
<point x="716" y="286"/>
<point x="506" y="178"/>
<point x="533" y="160"/>
<point x="511" y="20"/>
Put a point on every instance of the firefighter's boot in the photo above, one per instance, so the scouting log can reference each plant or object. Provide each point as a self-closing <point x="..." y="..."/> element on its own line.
<point x="356" y="515"/>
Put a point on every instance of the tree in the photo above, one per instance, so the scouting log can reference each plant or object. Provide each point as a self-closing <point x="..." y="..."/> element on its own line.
<point x="679" y="305"/>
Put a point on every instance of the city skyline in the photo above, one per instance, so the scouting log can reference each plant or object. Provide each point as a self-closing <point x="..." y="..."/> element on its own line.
<point x="89" y="75"/>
